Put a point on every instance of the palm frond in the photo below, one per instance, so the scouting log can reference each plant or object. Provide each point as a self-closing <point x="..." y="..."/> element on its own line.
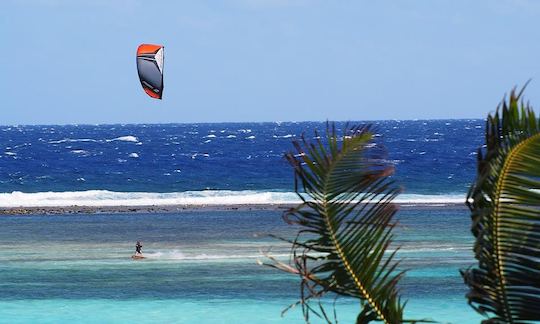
<point x="346" y="222"/>
<point x="505" y="210"/>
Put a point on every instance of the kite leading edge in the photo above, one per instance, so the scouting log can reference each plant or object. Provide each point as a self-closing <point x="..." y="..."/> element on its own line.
<point x="150" y="68"/>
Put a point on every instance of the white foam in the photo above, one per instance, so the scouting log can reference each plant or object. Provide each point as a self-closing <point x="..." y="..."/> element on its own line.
<point x="193" y="156"/>
<point x="133" y="155"/>
<point x="284" y="136"/>
<point x="22" y="145"/>
<point x="73" y="140"/>
<point x="431" y="199"/>
<point x="177" y="255"/>
<point x="103" y="198"/>
<point x="83" y="152"/>
<point x="128" y="138"/>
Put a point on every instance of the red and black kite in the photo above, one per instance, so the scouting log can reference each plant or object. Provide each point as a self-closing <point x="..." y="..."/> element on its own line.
<point x="150" y="68"/>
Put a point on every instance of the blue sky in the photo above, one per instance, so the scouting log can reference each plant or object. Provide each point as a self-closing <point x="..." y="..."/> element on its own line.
<point x="67" y="61"/>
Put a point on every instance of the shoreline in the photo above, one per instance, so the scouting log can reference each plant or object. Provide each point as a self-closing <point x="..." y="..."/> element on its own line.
<point x="151" y="209"/>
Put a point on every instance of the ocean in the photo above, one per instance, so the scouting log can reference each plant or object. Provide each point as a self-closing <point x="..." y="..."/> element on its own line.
<point x="202" y="264"/>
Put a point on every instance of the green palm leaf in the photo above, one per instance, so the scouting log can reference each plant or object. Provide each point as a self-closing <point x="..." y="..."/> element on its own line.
<point x="345" y="224"/>
<point x="505" y="210"/>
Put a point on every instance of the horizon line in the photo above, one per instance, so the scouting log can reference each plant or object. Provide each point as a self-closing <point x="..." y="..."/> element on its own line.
<point x="246" y="122"/>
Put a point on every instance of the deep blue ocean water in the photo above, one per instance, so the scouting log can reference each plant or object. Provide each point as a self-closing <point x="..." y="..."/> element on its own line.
<point x="201" y="265"/>
<point x="431" y="157"/>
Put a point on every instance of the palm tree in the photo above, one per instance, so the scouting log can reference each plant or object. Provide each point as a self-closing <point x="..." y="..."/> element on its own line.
<point x="505" y="209"/>
<point x="346" y="222"/>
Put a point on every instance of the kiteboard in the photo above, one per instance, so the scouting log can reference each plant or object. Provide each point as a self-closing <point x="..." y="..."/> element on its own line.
<point x="137" y="257"/>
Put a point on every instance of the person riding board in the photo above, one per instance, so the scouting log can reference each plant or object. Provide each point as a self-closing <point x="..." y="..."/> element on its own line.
<point x="138" y="248"/>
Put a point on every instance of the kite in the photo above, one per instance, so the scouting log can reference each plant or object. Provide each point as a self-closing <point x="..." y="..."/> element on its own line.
<point x="150" y="68"/>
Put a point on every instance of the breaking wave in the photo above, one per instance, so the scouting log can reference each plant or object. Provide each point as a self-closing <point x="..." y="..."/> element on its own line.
<point x="98" y="198"/>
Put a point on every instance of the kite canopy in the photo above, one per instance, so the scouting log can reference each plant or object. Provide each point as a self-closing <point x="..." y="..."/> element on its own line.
<point x="150" y="68"/>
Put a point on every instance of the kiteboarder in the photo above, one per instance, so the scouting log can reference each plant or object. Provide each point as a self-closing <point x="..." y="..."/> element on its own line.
<point x="138" y="248"/>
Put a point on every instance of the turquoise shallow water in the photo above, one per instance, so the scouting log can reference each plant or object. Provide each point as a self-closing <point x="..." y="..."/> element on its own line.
<point x="201" y="268"/>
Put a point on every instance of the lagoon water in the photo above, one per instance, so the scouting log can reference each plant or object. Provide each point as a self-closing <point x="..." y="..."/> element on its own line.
<point x="201" y="268"/>
<point x="201" y="265"/>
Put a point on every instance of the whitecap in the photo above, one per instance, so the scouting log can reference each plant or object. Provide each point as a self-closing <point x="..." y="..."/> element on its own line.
<point x="127" y="138"/>
<point x="231" y="136"/>
<point x="80" y="152"/>
<point x="250" y="137"/>
<point x="22" y="145"/>
<point x="73" y="140"/>
<point x="133" y="155"/>
<point x="210" y="136"/>
<point x="284" y="136"/>
<point x="199" y="154"/>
